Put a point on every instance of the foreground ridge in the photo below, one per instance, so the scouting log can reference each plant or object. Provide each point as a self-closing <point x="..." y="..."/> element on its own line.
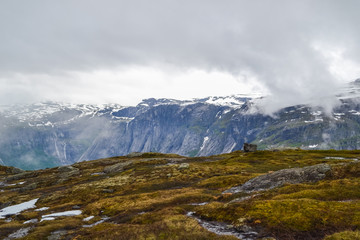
<point x="289" y="194"/>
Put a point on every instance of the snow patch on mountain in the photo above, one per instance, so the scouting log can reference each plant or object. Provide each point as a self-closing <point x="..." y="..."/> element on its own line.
<point x="226" y="101"/>
<point x="49" y="114"/>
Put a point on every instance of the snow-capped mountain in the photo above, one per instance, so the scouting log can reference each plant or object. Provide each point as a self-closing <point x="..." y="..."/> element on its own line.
<point x="52" y="113"/>
<point x="48" y="134"/>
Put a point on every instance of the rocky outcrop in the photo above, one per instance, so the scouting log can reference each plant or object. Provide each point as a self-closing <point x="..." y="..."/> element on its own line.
<point x="14" y="170"/>
<point x="57" y="235"/>
<point x="285" y="176"/>
<point x="64" y="169"/>
<point x="22" y="232"/>
<point x="21" y="175"/>
<point x="117" y="167"/>
<point x="250" y="147"/>
<point x="65" y="172"/>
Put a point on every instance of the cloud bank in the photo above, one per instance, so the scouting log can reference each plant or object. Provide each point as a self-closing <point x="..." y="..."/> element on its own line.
<point x="90" y="50"/>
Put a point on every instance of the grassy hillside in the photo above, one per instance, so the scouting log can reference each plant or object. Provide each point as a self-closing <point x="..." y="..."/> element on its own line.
<point x="152" y="195"/>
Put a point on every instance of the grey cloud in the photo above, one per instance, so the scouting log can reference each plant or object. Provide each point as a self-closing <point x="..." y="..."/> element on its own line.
<point x="272" y="40"/>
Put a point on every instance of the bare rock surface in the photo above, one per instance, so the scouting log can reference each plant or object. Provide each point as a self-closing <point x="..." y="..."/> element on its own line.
<point x="65" y="172"/>
<point x="57" y="235"/>
<point x="14" y="170"/>
<point x="21" y="175"/>
<point x="118" y="167"/>
<point x="67" y="168"/>
<point x="285" y="176"/>
<point x="19" y="234"/>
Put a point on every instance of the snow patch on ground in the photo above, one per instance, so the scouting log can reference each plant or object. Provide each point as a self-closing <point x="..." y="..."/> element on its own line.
<point x="60" y="214"/>
<point x="341" y="158"/>
<point x="16" y="209"/>
<point x="98" y="222"/>
<point x="199" y="204"/>
<point x="337" y="158"/>
<point x="88" y="218"/>
<point x="41" y="209"/>
<point x="47" y="219"/>
<point x="31" y="221"/>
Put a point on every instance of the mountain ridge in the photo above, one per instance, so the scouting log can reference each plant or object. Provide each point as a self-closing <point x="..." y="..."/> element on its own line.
<point x="51" y="134"/>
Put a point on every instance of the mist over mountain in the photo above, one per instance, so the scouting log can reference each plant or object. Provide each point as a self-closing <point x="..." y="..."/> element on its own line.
<point x="50" y="134"/>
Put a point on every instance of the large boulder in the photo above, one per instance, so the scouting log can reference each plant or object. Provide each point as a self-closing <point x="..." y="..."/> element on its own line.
<point x="250" y="147"/>
<point x="285" y="176"/>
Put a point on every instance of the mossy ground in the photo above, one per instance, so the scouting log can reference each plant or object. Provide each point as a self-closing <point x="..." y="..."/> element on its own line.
<point x="150" y="198"/>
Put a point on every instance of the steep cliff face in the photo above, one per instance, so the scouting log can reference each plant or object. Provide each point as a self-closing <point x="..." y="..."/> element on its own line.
<point x="195" y="129"/>
<point x="309" y="128"/>
<point x="49" y="134"/>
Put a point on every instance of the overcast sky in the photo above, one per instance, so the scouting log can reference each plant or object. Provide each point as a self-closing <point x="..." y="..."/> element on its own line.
<point x="98" y="51"/>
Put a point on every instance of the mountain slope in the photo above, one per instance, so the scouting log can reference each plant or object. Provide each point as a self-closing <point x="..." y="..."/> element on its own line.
<point x="50" y="134"/>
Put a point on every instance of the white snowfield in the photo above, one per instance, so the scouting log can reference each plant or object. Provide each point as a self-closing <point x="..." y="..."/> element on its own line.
<point x="16" y="209"/>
